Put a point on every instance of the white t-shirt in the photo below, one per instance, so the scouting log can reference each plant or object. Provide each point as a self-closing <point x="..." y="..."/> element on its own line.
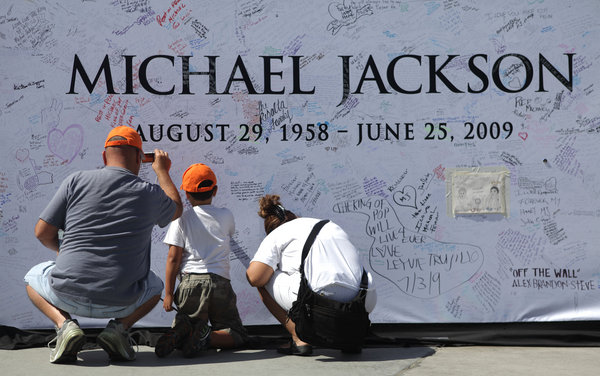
<point x="332" y="267"/>
<point x="204" y="233"/>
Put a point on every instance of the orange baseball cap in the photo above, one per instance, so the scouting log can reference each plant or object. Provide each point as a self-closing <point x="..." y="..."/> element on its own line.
<point x="124" y="135"/>
<point x="198" y="178"/>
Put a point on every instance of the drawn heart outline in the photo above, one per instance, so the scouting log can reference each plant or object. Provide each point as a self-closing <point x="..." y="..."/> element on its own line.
<point x="22" y="155"/>
<point x="66" y="144"/>
<point x="407" y="196"/>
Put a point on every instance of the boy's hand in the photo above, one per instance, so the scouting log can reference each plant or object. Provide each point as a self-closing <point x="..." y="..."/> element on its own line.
<point x="168" y="303"/>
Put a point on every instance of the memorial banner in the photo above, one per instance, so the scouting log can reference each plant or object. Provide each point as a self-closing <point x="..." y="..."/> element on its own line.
<point x="454" y="140"/>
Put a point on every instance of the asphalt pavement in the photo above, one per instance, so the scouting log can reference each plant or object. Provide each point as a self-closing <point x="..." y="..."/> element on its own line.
<point x="388" y="360"/>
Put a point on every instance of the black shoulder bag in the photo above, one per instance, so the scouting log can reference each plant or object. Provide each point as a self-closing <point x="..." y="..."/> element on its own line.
<point x="324" y="322"/>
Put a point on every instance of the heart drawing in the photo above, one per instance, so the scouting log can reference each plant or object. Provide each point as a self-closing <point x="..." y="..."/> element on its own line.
<point x="66" y="144"/>
<point x="22" y="155"/>
<point x="406" y="197"/>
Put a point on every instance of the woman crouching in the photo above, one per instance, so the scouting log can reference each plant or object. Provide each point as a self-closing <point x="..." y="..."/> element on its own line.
<point x="332" y="267"/>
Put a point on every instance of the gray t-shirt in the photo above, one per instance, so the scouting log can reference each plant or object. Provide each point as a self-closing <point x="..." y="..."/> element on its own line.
<point x="107" y="216"/>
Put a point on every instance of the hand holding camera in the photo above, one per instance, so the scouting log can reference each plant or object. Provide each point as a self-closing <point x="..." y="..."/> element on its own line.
<point x="160" y="160"/>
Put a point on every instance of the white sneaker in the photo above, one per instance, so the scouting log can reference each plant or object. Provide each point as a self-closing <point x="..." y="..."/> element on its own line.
<point x="69" y="341"/>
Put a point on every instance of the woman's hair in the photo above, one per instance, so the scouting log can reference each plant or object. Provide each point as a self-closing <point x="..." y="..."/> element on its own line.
<point x="273" y="212"/>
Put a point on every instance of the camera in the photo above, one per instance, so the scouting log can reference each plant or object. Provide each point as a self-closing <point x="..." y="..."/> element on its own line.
<point x="148" y="158"/>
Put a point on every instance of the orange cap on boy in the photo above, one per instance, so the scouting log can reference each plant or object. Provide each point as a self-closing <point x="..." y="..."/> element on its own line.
<point x="198" y="178"/>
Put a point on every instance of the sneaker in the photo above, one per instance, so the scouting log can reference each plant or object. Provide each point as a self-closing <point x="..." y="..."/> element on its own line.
<point x="69" y="340"/>
<point x="198" y="341"/>
<point x="174" y="338"/>
<point x="115" y="340"/>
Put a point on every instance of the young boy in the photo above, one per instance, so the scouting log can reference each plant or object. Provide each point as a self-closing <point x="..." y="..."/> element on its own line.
<point x="199" y="254"/>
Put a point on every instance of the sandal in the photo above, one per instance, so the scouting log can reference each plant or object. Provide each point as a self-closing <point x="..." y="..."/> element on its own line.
<point x="293" y="349"/>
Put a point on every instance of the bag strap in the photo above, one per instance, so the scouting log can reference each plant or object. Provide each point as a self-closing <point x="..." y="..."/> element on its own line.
<point x="303" y="290"/>
<point x="364" y="282"/>
<point x="309" y="242"/>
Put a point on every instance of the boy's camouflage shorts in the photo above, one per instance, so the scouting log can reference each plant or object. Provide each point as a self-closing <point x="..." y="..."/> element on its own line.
<point x="209" y="297"/>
